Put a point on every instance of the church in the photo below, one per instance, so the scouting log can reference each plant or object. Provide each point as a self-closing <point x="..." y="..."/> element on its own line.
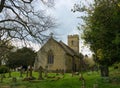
<point x="54" y="55"/>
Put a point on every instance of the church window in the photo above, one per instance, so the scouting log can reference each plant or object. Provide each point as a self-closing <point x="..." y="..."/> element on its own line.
<point x="50" y="59"/>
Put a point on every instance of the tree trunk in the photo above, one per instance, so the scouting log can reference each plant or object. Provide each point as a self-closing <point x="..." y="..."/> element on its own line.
<point x="104" y="71"/>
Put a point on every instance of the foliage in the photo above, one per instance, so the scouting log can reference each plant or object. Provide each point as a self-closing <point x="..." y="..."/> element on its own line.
<point x="22" y="57"/>
<point x="5" y="48"/>
<point x="4" y="69"/>
<point x="102" y="29"/>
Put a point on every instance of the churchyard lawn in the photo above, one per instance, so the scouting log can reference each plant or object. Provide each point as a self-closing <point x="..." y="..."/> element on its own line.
<point x="63" y="81"/>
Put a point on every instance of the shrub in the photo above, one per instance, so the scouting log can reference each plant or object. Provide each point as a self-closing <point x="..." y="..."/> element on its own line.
<point x="4" y="69"/>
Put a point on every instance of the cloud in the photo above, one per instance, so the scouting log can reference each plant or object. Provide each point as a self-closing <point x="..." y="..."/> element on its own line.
<point x="65" y="17"/>
<point x="64" y="3"/>
<point x="20" y="44"/>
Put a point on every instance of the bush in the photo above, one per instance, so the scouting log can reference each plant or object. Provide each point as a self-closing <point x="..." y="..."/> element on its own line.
<point x="4" y="69"/>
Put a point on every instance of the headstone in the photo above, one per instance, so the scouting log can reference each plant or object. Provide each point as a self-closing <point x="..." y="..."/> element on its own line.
<point x="95" y="85"/>
<point x="21" y="72"/>
<point x="1" y="80"/>
<point x="40" y="73"/>
<point x="83" y="84"/>
<point x="81" y="77"/>
<point x="57" y="71"/>
<point x="14" y="79"/>
<point x="72" y="73"/>
<point x="46" y="71"/>
<point x="9" y="74"/>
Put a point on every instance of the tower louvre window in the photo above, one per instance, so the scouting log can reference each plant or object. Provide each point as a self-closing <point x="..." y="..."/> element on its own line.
<point x="72" y="42"/>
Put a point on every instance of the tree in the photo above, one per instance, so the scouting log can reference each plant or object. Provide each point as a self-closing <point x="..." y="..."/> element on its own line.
<point x="3" y="70"/>
<point x="22" y="57"/>
<point x="29" y="57"/>
<point x="101" y="31"/>
<point x="5" y="48"/>
<point x="20" y="20"/>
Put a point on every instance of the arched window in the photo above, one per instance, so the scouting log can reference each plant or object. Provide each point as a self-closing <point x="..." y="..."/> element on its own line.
<point x="50" y="59"/>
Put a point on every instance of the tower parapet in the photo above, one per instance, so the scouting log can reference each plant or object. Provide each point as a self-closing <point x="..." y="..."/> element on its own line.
<point x="73" y="42"/>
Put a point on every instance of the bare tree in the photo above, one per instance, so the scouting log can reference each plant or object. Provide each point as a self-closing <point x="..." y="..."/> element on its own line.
<point x="20" y="20"/>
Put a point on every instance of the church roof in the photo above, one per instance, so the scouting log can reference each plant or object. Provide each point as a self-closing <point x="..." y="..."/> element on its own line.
<point x="66" y="48"/>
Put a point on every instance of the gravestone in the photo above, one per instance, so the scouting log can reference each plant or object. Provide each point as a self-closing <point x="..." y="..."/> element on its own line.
<point x="40" y="70"/>
<point x="83" y="84"/>
<point x="46" y="71"/>
<point x="14" y="79"/>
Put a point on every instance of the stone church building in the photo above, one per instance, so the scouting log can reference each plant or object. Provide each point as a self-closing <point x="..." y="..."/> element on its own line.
<point x="55" y="55"/>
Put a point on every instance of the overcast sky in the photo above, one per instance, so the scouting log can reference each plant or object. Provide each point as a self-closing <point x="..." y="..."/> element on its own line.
<point x="67" y="20"/>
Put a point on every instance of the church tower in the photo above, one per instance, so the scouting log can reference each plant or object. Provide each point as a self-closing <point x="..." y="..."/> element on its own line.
<point x="73" y="42"/>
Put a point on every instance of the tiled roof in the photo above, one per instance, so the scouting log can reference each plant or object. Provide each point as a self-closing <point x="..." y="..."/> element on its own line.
<point x="67" y="49"/>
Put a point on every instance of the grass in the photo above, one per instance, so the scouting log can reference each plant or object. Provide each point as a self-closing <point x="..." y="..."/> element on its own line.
<point x="66" y="82"/>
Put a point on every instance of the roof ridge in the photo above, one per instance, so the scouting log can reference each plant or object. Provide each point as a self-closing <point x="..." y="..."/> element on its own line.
<point x="65" y="47"/>
<point x="73" y="52"/>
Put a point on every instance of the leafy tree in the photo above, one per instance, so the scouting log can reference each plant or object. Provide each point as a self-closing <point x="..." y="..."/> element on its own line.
<point x="5" y="48"/>
<point x="3" y="69"/>
<point x="22" y="57"/>
<point x="101" y="31"/>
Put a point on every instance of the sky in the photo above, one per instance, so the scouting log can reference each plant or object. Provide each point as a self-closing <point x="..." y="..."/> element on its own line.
<point x="66" y="20"/>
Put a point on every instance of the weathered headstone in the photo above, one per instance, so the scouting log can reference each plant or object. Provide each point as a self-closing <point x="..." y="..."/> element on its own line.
<point x="81" y="77"/>
<point x="1" y="78"/>
<point x="14" y="79"/>
<point x="27" y="72"/>
<point x="21" y="72"/>
<point x="62" y="72"/>
<point x="95" y="85"/>
<point x="72" y="73"/>
<point x="9" y="74"/>
<point x="40" y="70"/>
<point x="57" y="71"/>
<point x="46" y="71"/>
<point x="83" y="84"/>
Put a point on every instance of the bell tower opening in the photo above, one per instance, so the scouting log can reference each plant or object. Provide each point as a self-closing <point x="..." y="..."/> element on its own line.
<point x="73" y="42"/>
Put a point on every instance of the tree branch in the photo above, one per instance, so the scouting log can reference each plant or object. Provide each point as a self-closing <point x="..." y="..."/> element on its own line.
<point x="2" y="5"/>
